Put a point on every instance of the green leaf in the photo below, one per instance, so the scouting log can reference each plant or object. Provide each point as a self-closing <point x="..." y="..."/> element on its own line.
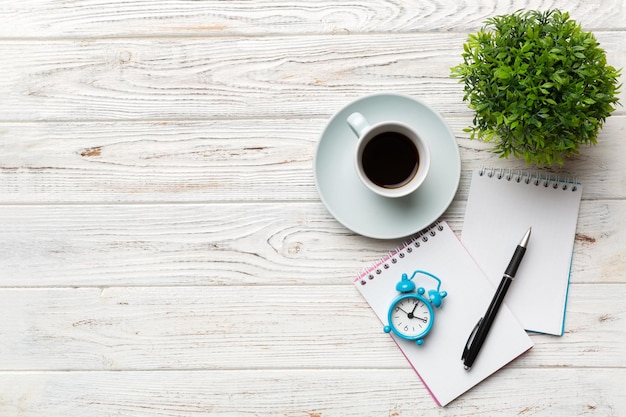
<point x="503" y="73"/>
<point x="527" y="47"/>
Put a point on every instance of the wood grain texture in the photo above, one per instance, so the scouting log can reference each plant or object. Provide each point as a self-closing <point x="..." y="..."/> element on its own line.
<point x="304" y="393"/>
<point x="164" y="248"/>
<point x="90" y="18"/>
<point x="231" y="77"/>
<point x="256" y="327"/>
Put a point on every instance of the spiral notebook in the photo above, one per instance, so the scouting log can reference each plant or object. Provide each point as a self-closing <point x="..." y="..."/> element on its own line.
<point x="502" y="204"/>
<point x="437" y="361"/>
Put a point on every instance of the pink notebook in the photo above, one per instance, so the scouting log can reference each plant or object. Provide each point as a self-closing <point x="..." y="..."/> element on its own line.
<point x="437" y="361"/>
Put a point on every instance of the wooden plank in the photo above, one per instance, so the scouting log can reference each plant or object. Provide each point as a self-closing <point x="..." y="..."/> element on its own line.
<point x="255" y="327"/>
<point x="162" y="161"/>
<point x="232" y="77"/>
<point x="193" y="78"/>
<point x="307" y="393"/>
<point x="223" y="160"/>
<point x="218" y="18"/>
<point x="234" y="244"/>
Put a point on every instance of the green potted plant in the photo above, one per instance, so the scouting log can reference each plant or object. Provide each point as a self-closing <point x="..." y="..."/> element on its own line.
<point x="540" y="86"/>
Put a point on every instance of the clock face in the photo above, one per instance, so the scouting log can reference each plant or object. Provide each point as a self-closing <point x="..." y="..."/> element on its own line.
<point x="411" y="316"/>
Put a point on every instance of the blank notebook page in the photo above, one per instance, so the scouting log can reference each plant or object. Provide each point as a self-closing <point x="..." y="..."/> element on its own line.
<point x="501" y="206"/>
<point x="438" y="360"/>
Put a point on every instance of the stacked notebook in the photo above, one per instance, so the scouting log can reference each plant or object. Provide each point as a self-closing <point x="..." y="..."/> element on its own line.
<point x="501" y="206"/>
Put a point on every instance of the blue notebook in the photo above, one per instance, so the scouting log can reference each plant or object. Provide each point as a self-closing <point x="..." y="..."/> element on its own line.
<point x="502" y="204"/>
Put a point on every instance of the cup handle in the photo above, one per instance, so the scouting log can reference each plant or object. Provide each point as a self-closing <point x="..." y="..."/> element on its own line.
<point x="357" y="123"/>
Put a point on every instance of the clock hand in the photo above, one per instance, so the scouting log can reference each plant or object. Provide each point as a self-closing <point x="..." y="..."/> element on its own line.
<point x="411" y="315"/>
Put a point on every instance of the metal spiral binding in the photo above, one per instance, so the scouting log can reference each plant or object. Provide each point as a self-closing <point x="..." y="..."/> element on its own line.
<point x="400" y="253"/>
<point x="531" y="178"/>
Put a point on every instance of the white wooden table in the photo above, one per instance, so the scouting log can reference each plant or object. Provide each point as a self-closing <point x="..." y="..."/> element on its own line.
<point x="164" y="251"/>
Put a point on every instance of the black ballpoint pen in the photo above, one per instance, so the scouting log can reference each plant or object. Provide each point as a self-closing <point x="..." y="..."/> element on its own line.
<point x="479" y="334"/>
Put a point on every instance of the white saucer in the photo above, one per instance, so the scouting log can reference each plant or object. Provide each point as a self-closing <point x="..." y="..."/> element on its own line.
<point x="369" y="214"/>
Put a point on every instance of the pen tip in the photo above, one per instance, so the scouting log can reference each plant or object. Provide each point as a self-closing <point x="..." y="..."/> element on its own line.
<point x="526" y="237"/>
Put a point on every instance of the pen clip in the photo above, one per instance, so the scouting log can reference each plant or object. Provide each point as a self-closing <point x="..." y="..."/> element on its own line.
<point x="470" y="339"/>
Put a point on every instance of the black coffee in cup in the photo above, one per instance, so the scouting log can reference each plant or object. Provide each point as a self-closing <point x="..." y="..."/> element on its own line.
<point x="390" y="160"/>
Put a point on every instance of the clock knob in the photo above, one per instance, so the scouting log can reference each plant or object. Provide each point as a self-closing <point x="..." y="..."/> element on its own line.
<point x="436" y="298"/>
<point x="405" y="284"/>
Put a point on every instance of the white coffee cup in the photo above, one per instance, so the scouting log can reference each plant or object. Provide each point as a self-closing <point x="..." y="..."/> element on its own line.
<point x="391" y="159"/>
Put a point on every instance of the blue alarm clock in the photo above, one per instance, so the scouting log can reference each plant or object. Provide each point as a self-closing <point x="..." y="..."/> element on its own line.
<point x="411" y="314"/>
